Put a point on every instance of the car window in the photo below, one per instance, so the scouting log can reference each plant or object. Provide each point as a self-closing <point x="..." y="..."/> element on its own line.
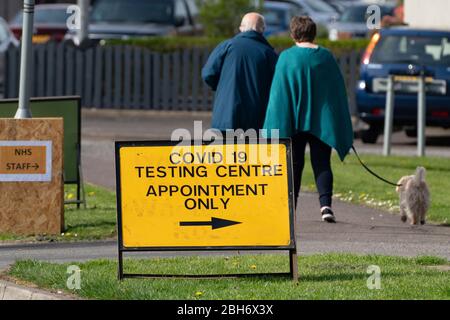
<point x="180" y="9"/>
<point x="446" y="47"/>
<point x="4" y="33"/>
<point x="296" y="10"/>
<point x="280" y="17"/>
<point x="320" y="6"/>
<point x="193" y="8"/>
<point x="412" y="49"/>
<point x="133" y="11"/>
<point x="274" y="17"/>
<point x="358" y="14"/>
<point x="45" y="16"/>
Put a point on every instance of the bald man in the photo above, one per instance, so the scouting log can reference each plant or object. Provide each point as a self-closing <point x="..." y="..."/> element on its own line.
<point x="240" y="70"/>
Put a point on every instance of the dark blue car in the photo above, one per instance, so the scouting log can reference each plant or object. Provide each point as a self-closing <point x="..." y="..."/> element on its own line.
<point x="404" y="53"/>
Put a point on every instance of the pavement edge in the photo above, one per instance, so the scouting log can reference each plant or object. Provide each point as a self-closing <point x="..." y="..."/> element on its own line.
<point x="11" y="291"/>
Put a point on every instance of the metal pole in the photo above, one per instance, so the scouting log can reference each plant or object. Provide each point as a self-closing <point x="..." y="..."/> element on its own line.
<point x="24" y="112"/>
<point x="421" y="116"/>
<point x="84" y="21"/>
<point x="388" y="116"/>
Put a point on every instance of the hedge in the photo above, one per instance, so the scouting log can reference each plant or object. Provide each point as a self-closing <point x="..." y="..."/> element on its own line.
<point x="169" y="44"/>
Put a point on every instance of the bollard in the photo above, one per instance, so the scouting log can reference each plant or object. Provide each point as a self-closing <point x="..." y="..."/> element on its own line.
<point x="24" y="112"/>
<point x="388" y="116"/>
<point x="421" y="116"/>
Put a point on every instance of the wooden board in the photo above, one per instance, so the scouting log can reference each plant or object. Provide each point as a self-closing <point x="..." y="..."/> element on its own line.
<point x="32" y="208"/>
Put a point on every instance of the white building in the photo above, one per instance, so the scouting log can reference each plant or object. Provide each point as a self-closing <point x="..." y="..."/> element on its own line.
<point x="428" y="13"/>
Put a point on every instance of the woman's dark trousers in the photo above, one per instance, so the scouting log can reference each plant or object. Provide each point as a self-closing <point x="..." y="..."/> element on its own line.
<point x="320" y="161"/>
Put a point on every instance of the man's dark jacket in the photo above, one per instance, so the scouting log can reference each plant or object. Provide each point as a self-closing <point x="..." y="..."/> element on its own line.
<point x="240" y="70"/>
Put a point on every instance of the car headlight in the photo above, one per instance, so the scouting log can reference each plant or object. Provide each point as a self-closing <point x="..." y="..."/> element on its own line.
<point x="362" y="85"/>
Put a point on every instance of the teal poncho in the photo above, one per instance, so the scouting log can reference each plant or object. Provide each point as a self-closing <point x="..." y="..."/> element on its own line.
<point x="308" y="95"/>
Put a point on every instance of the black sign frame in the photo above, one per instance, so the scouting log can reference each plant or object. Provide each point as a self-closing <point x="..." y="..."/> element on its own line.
<point x="291" y="247"/>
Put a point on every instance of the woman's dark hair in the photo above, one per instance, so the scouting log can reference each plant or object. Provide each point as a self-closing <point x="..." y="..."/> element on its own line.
<point x="303" y="29"/>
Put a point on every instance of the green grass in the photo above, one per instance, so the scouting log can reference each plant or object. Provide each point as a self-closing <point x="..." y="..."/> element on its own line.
<point x="97" y="221"/>
<point x="353" y="184"/>
<point x="331" y="276"/>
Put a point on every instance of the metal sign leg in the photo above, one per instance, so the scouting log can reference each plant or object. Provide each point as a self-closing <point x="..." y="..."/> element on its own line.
<point x="83" y="191"/>
<point x="293" y="262"/>
<point x="78" y="193"/>
<point x="120" y="266"/>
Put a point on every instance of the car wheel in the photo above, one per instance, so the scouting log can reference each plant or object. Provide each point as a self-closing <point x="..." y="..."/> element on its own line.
<point x="370" y="136"/>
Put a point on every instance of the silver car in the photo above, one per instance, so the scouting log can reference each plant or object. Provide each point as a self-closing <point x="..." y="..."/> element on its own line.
<point x="125" y="19"/>
<point x="321" y="12"/>
<point x="7" y="39"/>
<point x="353" y="22"/>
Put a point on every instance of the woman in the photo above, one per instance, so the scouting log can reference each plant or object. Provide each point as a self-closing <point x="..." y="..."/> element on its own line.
<point x="308" y="102"/>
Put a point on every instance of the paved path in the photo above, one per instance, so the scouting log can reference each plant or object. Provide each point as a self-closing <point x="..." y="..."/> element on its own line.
<point x="12" y="291"/>
<point x="359" y="229"/>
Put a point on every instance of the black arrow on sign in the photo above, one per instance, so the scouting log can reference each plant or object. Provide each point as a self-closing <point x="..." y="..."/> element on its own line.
<point x="36" y="166"/>
<point x="215" y="223"/>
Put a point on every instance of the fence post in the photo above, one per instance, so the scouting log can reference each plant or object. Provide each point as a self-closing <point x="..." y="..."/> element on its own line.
<point x="10" y="80"/>
<point x="388" y="116"/>
<point x="421" y="116"/>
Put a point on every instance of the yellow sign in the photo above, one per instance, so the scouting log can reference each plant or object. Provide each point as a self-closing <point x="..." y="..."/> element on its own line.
<point x="204" y="196"/>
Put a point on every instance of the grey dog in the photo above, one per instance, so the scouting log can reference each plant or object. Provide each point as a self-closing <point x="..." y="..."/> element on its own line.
<point x="414" y="197"/>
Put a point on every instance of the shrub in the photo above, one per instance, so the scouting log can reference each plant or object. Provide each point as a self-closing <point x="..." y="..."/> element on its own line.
<point x="170" y="44"/>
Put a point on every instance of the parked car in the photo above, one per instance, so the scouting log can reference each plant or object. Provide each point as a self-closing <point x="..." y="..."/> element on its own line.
<point x="278" y="16"/>
<point x="125" y="19"/>
<point x="321" y="12"/>
<point x="50" y="23"/>
<point x="405" y="53"/>
<point x="353" y="22"/>
<point x="7" y="39"/>
<point x="340" y="5"/>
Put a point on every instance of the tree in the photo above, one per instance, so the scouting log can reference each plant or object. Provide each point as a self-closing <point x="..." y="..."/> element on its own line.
<point x="221" y="18"/>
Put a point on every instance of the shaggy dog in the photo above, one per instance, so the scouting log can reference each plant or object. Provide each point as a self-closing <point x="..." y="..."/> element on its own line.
<point x="414" y="197"/>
